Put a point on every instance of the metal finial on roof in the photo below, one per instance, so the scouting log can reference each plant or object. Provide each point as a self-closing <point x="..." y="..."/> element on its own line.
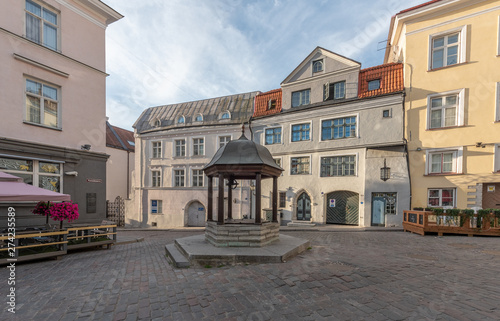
<point x="243" y="129"/>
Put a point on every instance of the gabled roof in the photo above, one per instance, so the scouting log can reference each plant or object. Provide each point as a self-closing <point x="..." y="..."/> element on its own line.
<point x="262" y="103"/>
<point x="390" y="76"/>
<point x="239" y="106"/>
<point x="119" y="138"/>
<point x="325" y="52"/>
<point x="419" y="6"/>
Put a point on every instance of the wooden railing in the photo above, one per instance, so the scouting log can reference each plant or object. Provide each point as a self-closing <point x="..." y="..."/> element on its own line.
<point x="89" y="236"/>
<point x="422" y="222"/>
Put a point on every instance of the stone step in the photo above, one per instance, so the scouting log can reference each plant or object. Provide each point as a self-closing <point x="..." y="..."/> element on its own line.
<point x="176" y="257"/>
<point x="300" y="224"/>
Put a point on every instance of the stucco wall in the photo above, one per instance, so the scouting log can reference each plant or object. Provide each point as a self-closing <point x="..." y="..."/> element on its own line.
<point x="117" y="172"/>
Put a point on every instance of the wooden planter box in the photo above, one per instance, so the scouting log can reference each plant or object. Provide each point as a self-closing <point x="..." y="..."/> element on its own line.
<point x="422" y="222"/>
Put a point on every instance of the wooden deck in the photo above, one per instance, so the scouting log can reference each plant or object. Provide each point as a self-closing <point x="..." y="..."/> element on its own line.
<point x="424" y="222"/>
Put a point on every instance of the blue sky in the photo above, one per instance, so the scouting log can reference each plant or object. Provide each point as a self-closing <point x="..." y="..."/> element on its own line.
<point x="171" y="51"/>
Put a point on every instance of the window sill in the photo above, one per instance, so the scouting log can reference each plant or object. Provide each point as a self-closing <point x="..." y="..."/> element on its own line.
<point x="156" y="214"/>
<point x="300" y="174"/>
<point x="43" y="126"/>
<point x="179" y="157"/>
<point x="300" y="141"/>
<point x="198" y="156"/>
<point x="443" y="174"/>
<point x="450" y="66"/>
<point x="448" y="127"/>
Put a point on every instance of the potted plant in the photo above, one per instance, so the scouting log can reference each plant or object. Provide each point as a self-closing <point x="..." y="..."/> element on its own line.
<point x="57" y="211"/>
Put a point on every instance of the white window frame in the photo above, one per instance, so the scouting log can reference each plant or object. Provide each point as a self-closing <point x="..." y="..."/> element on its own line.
<point x="356" y="165"/>
<point x="459" y="114"/>
<point x="42" y="99"/>
<point x="202" y="177"/>
<point x="281" y="135"/>
<point x="441" y="196"/>
<point x="181" y="121"/>
<point x="301" y="156"/>
<point x="280" y="164"/>
<point x="462" y="50"/>
<point x="219" y="138"/>
<point x="193" y="145"/>
<point x="457" y="160"/>
<point x="221" y="115"/>
<point x="322" y="61"/>
<point x="498" y="37"/>
<point x="174" y="176"/>
<point x="301" y="123"/>
<point x="42" y="23"/>
<point x="175" y="147"/>
<point x="156" y="170"/>
<point x="198" y="115"/>
<point x="302" y="92"/>
<point x="496" y="158"/>
<point x="372" y="81"/>
<point x="497" y="103"/>
<point x="159" y="150"/>
<point x="337" y="117"/>
<point x="159" y="206"/>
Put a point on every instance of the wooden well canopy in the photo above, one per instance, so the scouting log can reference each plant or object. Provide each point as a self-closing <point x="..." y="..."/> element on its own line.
<point x="241" y="159"/>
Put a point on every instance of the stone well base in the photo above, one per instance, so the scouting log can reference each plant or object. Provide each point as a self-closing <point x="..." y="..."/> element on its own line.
<point x="241" y="235"/>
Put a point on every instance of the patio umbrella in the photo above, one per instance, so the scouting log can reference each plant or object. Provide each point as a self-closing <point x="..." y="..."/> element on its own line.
<point x="13" y="189"/>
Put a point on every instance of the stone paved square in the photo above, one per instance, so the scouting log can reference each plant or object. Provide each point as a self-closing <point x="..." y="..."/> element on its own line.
<point x="344" y="276"/>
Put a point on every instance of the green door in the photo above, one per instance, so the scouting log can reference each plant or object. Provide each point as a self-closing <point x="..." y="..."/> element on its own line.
<point x="304" y="207"/>
<point x="342" y="207"/>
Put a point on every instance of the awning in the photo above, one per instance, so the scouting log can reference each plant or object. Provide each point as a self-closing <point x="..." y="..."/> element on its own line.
<point x="13" y="189"/>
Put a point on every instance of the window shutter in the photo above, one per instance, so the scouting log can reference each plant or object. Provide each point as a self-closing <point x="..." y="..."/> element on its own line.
<point x="326" y="91"/>
<point x="269" y="104"/>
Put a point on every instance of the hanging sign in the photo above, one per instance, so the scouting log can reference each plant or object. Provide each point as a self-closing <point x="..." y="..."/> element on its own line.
<point x="491" y="188"/>
<point x="332" y="202"/>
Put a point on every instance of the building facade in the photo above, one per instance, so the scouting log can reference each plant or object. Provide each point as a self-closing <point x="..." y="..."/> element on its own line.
<point x="336" y="127"/>
<point x="53" y="87"/>
<point x="449" y="50"/>
<point x="173" y="145"/>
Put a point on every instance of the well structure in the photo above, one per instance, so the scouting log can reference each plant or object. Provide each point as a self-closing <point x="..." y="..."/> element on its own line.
<point x="241" y="159"/>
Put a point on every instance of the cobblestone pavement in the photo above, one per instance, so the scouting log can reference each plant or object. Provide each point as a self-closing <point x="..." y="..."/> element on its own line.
<point x="345" y="276"/>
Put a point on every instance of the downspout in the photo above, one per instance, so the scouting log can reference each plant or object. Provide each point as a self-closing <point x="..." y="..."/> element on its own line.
<point x="404" y="137"/>
<point x="128" y="174"/>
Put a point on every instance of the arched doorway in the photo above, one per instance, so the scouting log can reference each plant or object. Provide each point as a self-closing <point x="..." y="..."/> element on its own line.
<point x="303" y="207"/>
<point x="196" y="214"/>
<point x="342" y="207"/>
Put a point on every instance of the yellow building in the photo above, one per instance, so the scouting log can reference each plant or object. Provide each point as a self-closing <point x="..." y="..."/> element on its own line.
<point x="451" y="55"/>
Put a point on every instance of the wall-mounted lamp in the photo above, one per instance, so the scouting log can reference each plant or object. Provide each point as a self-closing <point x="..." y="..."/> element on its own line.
<point x="72" y="173"/>
<point x="86" y="147"/>
<point x="480" y="144"/>
<point x="385" y="172"/>
<point x="419" y="149"/>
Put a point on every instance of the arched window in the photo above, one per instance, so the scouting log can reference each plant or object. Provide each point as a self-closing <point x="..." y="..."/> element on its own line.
<point x="181" y="120"/>
<point x="157" y="123"/>
<point x="225" y="115"/>
<point x="318" y="66"/>
<point x="199" y="118"/>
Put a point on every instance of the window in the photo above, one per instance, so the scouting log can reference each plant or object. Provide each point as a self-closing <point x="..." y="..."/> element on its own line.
<point x="42" y="105"/>
<point x="444" y="111"/>
<point x="300" y="165"/>
<point x="157" y="123"/>
<point x="439" y="197"/>
<point x="374" y="84"/>
<point x="225" y="115"/>
<point x="497" y="103"/>
<point x="300" y="132"/>
<point x="338" y="166"/>
<point x="273" y="136"/>
<point x="282" y="200"/>
<point x="178" y="177"/>
<point x="338" y="128"/>
<point x="334" y="91"/>
<point x="181" y="120"/>
<point x="156" y="206"/>
<point x="447" y="48"/>
<point x="277" y="161"/>
<point x="386" y="113"/>
<point x="180" y="148"/>
<point x="155" y="178"/>
<point x="156" y="149"/>
<point x="271" y="104"/>
<point x="41" y="25"/>
<point x="496" y="167"/>
<point x="444" y="161"/>
<point x="318" y="65"/>
<point x="300" y="98"/>
<point x="199" y="118"/>
<point x="198" y="177"/>
<point x="198" y="147"/>
<point x="223" y="140"/>
<point x="43" y="174"/>
<point x="390" y="201"/>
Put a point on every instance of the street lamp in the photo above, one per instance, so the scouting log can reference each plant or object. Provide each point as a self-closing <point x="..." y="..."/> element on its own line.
<point x="385" y="172"/>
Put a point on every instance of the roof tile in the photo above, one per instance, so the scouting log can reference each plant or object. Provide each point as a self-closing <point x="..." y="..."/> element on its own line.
<point x="390" y="76"/>
<point x="262" y="103"/>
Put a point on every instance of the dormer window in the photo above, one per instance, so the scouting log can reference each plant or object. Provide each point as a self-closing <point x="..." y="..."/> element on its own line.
<point x="334" y="91"/>
<point x="374" y="84"/>
<point x="181" y="120"/>
<point x="199" y="118"/>
<point x="271" y="104"/>
<point x="225" y="115"/>
<point x="157" y="123"/>
<point x="318" y="65"/>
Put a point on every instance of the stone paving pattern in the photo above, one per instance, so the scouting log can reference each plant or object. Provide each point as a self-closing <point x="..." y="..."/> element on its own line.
<point x="345" y="276"/>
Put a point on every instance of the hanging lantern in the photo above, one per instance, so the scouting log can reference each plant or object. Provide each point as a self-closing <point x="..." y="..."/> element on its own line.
<point x="385" y="172"/>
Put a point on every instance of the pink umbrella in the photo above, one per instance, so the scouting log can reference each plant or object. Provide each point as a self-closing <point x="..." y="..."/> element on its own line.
<point x="13" y="189"/>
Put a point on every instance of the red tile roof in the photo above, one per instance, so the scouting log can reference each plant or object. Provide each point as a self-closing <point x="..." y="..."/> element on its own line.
<point x="262" y="103"/>
<point x="390" y="76"/>
<point x="117" y="137"/>
<point x="419" y="6"/>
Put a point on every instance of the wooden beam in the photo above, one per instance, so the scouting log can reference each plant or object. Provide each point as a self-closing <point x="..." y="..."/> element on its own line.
<point x="220" y="209"/>
<point x="275" y="199"/>
<point x="210" y="199"/>
<point x="229" y="200"/>
<point x="258" y="208"/>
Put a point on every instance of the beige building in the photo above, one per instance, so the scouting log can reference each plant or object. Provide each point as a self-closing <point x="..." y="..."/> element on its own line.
<point x="451" y="56"/>
<point x="52" y="89"/>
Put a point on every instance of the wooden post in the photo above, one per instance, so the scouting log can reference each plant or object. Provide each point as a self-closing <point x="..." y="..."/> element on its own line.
<point x="210" y="199"/>
<point x="275" y="199"/>
<point x="220" y="209"/>
<point x="229" y="200"/>
<point x="258" y="210"/>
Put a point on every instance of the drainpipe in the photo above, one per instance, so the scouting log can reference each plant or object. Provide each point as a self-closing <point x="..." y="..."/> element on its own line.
<point x="406" y="150"/>
<point x="128" y="174"/>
